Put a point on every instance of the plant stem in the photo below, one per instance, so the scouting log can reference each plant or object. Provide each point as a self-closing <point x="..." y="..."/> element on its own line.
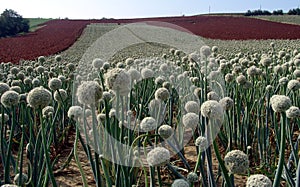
<point x="281" y="151"/>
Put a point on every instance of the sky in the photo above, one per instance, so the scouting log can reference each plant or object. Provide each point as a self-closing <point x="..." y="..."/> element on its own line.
<point x="97" y="9"/>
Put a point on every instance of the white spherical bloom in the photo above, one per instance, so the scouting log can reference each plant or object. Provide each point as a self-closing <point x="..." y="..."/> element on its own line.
<point x="3" y="87"/>
<point x="192" y="106"/>
<point x="40" y="69"/>
<point x="293" y="85"/>
<point x="269" y="88"/>
<point x="251" y="71"/>
<point x="280" y="103"/>
<point x="296" y="73"/>
<point x="48" y="111"/>
<point x="158" y="156"/>
<point x="97" y="63"/>
<point x="212" y="109"/>
<point x="190" y="120"/>
<point x="266" y="61"/>
<point x="54" y="84"/>
<point x="192" y="177"/>
<point x="165" y="131"/>
<point x="163" y="67"/>
<point x="212" y="96"/>
<point x="205" y="51"/>
<point x="193" y="57"/>
<point x="89" y="93"/>
<point x="101" y="117"/>
<point x="180" y="183"/>
<point x="154" y="105"/>
<point x="241" y="79"/>
<point x="201" y="142"/>
<point x="148" y="124"/>
<point x="58" y="58"/>
<point x="62" y="78"/>
<point x="134" y="74"/>
<point x="129" y="61"/>
<point x="112" y="113"/>
<point x="278" y="69"/>
<point x="75" y="112"/>
<point x="227" y="103"/>
<point x="14" y="70"/>
<point x="160" y="80"/>
<point x="118" y="80"/>
<point x="39" y="97"/>
<point x="106" y="96"/>
<point x="236" y="162"/>
<point x="258" y="180"/>
<point x="229" y="77"/>
<point x="197" y="92"/>
<point x="147" y="73"/>
<point x="60" y="95"/>
<point x="162" y="94"/>
<point x="10" y="98"/>
<point x="16" y="89"/>
<point x="293" y="112"/>
<point x="297" y="62"/>
<point x="215" y="49"/>
<point x="283" y="81"/>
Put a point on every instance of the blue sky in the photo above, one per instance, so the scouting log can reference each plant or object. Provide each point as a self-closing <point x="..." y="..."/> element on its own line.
<point x="87" y="9"/>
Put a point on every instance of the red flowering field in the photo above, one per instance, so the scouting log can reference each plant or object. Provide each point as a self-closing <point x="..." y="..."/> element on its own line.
<point x="55" y="36"/>
<point x="58" y="35"/>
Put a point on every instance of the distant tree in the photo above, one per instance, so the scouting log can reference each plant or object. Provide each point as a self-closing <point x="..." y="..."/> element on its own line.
<point x="294" y="11"/>
<point x="277" y="12"/>
<point x="257" y="12"/>
<point x="11" y="23"/>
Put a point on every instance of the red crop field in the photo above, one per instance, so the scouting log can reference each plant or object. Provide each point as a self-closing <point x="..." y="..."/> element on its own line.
<point x="55" y="36"/>
<point x="58" y="35"/>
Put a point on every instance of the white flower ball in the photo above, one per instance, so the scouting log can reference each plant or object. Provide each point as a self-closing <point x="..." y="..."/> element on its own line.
<point x="75" y="112"/>
<point x="162" y="94"/>
<point x="227" y="103"/>
<point x="212" y="109"/>
<point x="60" y="95"/>
<point x="97" y="63"/>
<point x="54" y="84"/>
<point x="48" y="111"/>
<point x="236" y="162"/>
<point x="180" y="183"/>
<point x="165" y="131"/>
<point x="293" y="112"/>
<point x="192" y="106"/>
<point x="258" y="180"/>
<point x="280" y="103"/>
<point x="158" y="156"/>
<point x="293" y="85"/>
<point x="134" y="74"/>
<point x="205" y="50"/>
<point x="118" y="80"/>
<point x="190" y="120"/>
<point x="147" y="73"/>
<point x="201" y="142"/>
<point x="89" y="92"/>
<point x="148" y="124"/>
<point x="10" y="98"/>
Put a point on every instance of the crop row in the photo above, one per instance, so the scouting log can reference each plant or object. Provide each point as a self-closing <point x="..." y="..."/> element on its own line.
<point x="58" y="35"/>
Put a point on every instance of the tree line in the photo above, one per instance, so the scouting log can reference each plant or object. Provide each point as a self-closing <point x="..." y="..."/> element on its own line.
<point x="11" y="23"/>
<point x="260" y="12"/>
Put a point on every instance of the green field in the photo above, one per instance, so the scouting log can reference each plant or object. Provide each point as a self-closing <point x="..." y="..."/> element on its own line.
<point x="35" y="23"/>
<point x="292" y="19"/>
